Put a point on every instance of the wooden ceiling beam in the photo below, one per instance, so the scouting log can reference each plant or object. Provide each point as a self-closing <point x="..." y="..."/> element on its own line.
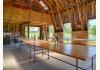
<point x="91" y="2"/>
<point x="59" y="5"/>
<point x="59" y="15"/>
<point x="52" y="13"/>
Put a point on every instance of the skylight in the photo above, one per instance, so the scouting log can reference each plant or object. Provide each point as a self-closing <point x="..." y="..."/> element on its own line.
<point x="43" y="5"/>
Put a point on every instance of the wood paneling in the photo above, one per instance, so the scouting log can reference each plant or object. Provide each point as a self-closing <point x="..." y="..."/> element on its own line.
<point x="15" y="15"/>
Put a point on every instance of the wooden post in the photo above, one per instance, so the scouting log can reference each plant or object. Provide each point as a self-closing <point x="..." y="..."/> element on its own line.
<point x="41" y="33"/>
<point x="28" y="30"/>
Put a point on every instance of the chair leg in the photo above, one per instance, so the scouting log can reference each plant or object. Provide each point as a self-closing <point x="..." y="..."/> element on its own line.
<point x="42" y="53"/>
<point x="92" y="63"/>
<point x="48" y="54"/>
<point x="76" y="64"/>
<point x="34" y="55"/>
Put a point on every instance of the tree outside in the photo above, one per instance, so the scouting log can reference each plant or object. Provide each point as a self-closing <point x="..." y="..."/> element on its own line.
<point x="92" y="31"/>
<point x="67" y="33"/>
<point x="33" y="31"/>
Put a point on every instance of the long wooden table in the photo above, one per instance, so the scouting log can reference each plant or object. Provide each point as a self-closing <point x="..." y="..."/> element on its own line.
<point x="82" y="52"/>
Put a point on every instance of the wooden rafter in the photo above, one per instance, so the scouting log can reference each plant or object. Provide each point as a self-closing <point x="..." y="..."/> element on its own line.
<point x="81" y="10"/>
<point x="52" y="12"/>
<point x="59" y="14"/>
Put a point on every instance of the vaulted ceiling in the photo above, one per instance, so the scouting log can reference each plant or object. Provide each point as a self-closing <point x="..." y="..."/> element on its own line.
<point x="37" y="5"/>
<point x="47" y="11"/>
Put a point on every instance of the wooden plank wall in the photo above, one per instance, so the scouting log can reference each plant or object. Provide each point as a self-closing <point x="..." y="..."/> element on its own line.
<point x="17" y="16"/>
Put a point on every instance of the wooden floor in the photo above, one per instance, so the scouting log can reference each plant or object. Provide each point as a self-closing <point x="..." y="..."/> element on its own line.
<point x="15" y="59"/>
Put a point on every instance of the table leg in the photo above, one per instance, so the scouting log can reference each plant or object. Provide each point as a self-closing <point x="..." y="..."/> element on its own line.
<point x="34" y="55"/>
<point x="76" y="64"/>
<point x="30" y="53"/>
<point x="42" y="53"/>
<point x="20" y="46"/>
<point x="48" y="54"/>
<point x="92" y="63"/>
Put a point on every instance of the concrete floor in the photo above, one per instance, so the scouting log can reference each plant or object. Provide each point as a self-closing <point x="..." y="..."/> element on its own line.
<point x="15" y="59"/>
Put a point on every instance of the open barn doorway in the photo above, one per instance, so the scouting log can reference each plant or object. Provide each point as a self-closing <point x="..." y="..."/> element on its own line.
<point x="33" y="32"/>
<point x="67" y="33"/>
<point x="92" y="31"/>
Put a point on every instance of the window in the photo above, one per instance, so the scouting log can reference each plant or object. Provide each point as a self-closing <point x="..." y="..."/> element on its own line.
<point x="92" y="31"/>
<point x="26" y="31"/>
<point x="33" y="31"/>
<point x="67" y="33"/>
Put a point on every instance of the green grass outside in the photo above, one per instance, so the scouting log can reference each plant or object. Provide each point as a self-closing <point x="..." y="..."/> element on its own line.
<point x="32" y="34"/>
<point x="37" y="34"/>
<point x="89" y="43"/>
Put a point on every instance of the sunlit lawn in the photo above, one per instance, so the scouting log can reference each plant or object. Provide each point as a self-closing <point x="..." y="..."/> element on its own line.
<point x="67" y="41"/>
<point x="89" y="43"/>
<point x="36" y="34"/>
<point x="92" y="43"/>
<point x="32" y="34"/>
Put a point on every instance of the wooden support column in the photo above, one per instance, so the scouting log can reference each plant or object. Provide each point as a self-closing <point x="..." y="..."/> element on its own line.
<point x="20" y="30"/>
<point x="79" y="25"/>
<point x="52" y="15"/>
<point x="80" y="37"/>
<point x="44" y="32"/>
<point x="59" y="22"/>
<point x="28" y="30"/>
<point x="23" y="30"/>
<point x="41" y="33"/>
<point x="15" y="28"/>
<point x="60" y="37"/>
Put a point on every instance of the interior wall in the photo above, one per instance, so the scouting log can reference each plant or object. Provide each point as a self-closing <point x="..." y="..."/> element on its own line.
<point x="10" y="27"/>
<point x="44" y="32"/>
<point x="18" y="16"/>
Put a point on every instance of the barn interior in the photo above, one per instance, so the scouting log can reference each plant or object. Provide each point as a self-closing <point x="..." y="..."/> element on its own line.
<point x="63" y="21"/>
